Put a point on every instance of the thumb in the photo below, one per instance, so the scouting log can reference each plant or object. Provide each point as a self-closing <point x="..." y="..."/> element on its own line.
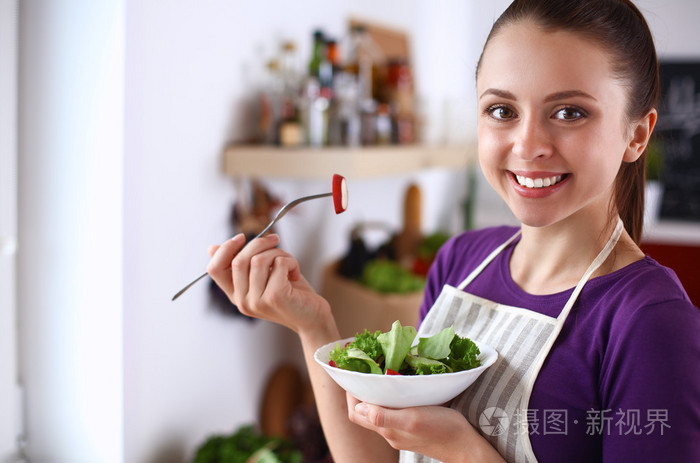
<point x="374" y="415"/>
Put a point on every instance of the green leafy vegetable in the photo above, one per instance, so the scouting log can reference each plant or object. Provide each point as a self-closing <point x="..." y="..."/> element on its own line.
<point x="355" y="353"/>
<point x="396" y="344"/>
<point x="394" y="351"/>
<point x="386" y="276"/>
<point x="426" y="366"/>
<point x="437" y="346"/>
<point x="365" y="342"/>
<point x="368" y="343"/>
<point x="432" y="243"/>
<point x="464" y="355"/>
<point x="247" y="445"/>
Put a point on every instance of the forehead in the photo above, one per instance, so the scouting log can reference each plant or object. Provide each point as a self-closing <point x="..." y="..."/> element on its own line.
<point x="523" y="55"/>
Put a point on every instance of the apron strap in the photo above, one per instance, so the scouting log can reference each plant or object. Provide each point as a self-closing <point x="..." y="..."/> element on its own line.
<point x="487" y="261"/>
<point x="539" y="360"/>
<point x="597" y="262"/>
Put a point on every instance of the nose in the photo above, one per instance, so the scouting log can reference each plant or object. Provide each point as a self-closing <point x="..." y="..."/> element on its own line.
<point x="531" y="139"/>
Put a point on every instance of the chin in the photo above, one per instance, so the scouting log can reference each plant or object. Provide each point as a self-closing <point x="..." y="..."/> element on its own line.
<point x="537" y="220"/>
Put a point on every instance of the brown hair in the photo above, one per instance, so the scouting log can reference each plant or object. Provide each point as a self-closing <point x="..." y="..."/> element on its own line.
<point x="620" y="28"/>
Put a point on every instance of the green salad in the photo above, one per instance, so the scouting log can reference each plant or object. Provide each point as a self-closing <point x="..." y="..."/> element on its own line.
<point x="393" y="352"/>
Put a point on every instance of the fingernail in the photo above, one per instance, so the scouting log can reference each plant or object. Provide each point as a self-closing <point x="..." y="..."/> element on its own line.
<point x="238" y="237"/>
<point x="361" y="409"/>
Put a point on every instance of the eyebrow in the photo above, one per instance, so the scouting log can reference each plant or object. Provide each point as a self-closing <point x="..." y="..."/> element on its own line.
<point x="552" y="97"/>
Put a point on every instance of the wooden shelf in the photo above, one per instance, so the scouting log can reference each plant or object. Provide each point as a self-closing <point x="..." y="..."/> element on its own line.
<point x="364" y="162"/>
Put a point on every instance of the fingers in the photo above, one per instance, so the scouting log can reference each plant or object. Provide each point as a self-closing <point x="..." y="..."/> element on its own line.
<point x="220" y="264"/>
<point x="263" y="281"/>
<point x="352" y="402"/>
<point x="269" y="274"/>
<point x="385" y="421"/>
<point x="212" y="250"/>
<point x="371" y="416"/>
<point x="251" y="266"/>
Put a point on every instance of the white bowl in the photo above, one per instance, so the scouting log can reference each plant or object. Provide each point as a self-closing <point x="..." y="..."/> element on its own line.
<point x="397" y="391"/>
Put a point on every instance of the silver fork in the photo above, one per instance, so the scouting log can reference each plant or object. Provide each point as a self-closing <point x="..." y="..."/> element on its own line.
<point x="287" y="207"/>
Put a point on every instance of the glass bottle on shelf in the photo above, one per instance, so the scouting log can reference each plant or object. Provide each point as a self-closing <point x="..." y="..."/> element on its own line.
<point x="383" y="129"/>
<point x="400" y="94"/>
<point x="368" y="122"/>
<point x="289" y="68"/>
<point x="344" y="124"/>
<point x="315" y="113"/>
<point x="363" y="61"/>
<point x="290" y="130"/>
<point x="317" y="53"/>
<point x="364" y="57"/>
<point x="269" y="104"/>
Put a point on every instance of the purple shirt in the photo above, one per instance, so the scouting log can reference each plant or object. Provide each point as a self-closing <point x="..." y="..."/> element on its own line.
<point x="622" y="381"/>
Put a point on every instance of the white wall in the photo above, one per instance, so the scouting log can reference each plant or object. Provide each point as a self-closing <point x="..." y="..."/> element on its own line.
<point x="70" y="228"/>
<point x="9" y="393"/>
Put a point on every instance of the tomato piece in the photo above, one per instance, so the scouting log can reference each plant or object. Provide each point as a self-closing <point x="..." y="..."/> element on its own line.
<point x="389" y="371"/>
<point x="332" y="363"/>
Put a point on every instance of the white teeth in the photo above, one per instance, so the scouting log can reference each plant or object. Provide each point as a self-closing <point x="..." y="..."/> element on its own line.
<point x="538" y="182"/>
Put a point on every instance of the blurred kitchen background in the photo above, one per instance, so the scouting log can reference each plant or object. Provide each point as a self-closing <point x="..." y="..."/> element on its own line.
<point x="114" y="120"/>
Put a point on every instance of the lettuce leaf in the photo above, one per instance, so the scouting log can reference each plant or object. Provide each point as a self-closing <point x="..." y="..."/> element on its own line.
<point x="437" y="346"/>
<point x="339" y="356"/>
<point x="396" y="344"/>
<point x="426" y="366"/>
<point x="355" y="353"/>
<point x="377" y="352"/>
<point x="367" y="342"/>
<point x="464" y="354"/>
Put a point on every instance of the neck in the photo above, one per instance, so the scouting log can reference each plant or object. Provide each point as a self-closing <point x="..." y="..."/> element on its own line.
<point x="551" y="259"/>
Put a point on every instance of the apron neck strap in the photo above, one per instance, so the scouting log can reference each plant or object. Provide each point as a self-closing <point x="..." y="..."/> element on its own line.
<point x="487" y="261"/>
<point x="597" y="262"/>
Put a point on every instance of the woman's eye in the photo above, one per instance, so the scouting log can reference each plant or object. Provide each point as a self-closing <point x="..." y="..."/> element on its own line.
<point x="501" y="112"/>
<point x="568" y="114"/>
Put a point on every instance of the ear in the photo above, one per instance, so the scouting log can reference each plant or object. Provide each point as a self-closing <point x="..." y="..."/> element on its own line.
<point x="641" y="133"/>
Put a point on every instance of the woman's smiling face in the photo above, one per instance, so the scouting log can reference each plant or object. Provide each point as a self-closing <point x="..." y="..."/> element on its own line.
<point x="552" y="125"/>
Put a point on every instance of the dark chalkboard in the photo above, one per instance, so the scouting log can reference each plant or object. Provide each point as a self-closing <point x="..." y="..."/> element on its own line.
<point x="678" y="131"/>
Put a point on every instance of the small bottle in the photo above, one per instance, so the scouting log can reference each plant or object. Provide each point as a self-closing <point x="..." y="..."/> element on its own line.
<point x="344" y="125"/>
<point x="289" y="69"/>
<point x="317" y="53"/>
<point x="368" y="122"/>
<point x="269" y="104"/>
<point x="290" y="132"/>
<point x="364" y="57"/>
<point x="315" y="113"/>
<point x="326" y="69"/>
<point x="400" y="95"/>
<point x="383" y="130"/>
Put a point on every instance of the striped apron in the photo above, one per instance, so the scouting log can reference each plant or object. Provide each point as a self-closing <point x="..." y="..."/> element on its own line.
<point x="497" y="402"/>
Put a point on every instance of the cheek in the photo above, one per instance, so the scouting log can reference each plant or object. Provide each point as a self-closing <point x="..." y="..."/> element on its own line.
<point x="490" y="168"/>
<point x="492" y="151"/>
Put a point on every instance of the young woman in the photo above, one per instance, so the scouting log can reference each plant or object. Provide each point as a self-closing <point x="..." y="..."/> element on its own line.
<point x="598" y="344"/>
